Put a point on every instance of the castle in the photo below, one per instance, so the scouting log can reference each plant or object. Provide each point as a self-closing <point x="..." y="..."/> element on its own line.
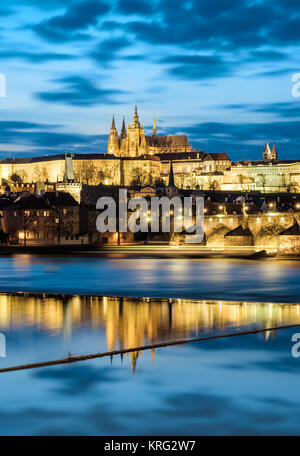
<point x="133" y="142"/>
<point x="133" y="158"/>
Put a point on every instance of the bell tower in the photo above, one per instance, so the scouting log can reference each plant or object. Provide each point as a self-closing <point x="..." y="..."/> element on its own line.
<point x="136" y="137"/>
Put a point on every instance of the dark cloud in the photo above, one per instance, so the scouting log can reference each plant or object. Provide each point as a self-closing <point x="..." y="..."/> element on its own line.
<point x="44" y="4"/>
<point x="197" y="66"/>
<point x="79" y="91"/>
<point x="35" y="57"/>
<point x="69" y="26"/>
<point x="135" y="7"/>
<point x="282" y="109"/>
<point x="245" y="140"/>
<point x="268" y="55"/>
<point x="44" y="139"/>
<point x="107" y="50"/>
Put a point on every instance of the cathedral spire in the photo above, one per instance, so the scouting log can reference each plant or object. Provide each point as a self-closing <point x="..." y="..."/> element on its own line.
<point x="113" y="124"/>
<point x="154" y="134"/>
<point x="135" y="123"/>
<point x="123" y="131"/>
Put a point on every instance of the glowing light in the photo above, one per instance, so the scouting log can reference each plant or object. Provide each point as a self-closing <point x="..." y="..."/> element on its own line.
<point x="106" y="182"/>
<point x="21" y="235"/>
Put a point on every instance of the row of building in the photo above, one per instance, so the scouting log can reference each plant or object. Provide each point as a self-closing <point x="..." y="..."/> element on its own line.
<point x="134" y="158"/>
<point x="236" y="220"/>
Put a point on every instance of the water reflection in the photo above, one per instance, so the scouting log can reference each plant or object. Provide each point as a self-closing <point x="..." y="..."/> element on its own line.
<point x="133" y="322"/>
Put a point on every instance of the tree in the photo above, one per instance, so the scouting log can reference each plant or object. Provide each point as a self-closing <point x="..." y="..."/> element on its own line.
<point x="63" y="222"/>
<point x="16" y="180"/>
<point x="28" y="219"/>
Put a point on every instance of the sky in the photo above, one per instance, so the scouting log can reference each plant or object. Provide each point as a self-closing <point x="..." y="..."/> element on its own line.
<point x="219" y="71"/>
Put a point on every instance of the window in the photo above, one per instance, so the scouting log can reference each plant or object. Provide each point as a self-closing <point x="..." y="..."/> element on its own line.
<point x="27" y="213"/>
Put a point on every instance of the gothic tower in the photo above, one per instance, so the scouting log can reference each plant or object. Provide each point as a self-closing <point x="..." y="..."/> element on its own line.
<point x="113" y="141"/>
<point x="136" y="141"/>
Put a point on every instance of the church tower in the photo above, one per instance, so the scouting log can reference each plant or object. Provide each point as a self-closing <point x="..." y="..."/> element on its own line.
<point x="267" y="154"/>
<point x="136" y="141"/>
<point x="113" y="141"/>
<point x="274" y="152"/>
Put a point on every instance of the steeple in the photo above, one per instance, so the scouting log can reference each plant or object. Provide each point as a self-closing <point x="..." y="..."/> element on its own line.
<point x="267" y="152"/>
<point x="274" y="152"/>
<point x="123" y="131"/>
<point x="171" y="176"/>
<point x="135" y="123"/>
<point x="154" y="134"/>
<point x="113" y="140"/>
<point x="113" y="124"/>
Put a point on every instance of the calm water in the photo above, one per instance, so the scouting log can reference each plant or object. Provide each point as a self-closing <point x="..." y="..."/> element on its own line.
<point x="275" y="281"/>
<point x="244" y="385"/>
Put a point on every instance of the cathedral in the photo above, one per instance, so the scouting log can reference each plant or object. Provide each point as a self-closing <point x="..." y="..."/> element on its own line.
<point x="133" y="142"/>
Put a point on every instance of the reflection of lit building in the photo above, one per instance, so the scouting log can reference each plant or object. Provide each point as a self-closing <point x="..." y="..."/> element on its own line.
<point x="132" y="322"/>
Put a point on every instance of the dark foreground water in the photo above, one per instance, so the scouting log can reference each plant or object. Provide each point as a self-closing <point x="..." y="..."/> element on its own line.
<point x="243" y="385"/>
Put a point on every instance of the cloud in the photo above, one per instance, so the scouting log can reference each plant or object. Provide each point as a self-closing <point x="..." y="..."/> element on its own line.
<point x="44" y="138"/>
<point x="245" y="140"/>
<point x="197" y="66"/>
<point x="108" y="50"/>
<point x="79" y="91"/>
<point x="76" y="18"/>
<point x="35" y="57"/>
<point x="281" y="109"/>
<point x="142" y="7"/>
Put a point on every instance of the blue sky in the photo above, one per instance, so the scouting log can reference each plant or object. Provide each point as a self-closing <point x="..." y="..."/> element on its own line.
<point x="218" y="70"/>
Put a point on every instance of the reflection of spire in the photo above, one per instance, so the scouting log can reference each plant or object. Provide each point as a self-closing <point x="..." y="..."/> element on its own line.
<point x="134" y="357"/>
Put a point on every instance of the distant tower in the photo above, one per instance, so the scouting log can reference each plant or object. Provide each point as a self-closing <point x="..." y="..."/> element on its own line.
<point x="171" y="189"/>
<point x="135" y="123"/>
<point x="267" y="154"/>
<point x="123" y="131"/>
<point x="113" y="141"/>
<point x="154" y="133"/>
<point x="274" y="152"/>
<point x="171" y="176"/>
